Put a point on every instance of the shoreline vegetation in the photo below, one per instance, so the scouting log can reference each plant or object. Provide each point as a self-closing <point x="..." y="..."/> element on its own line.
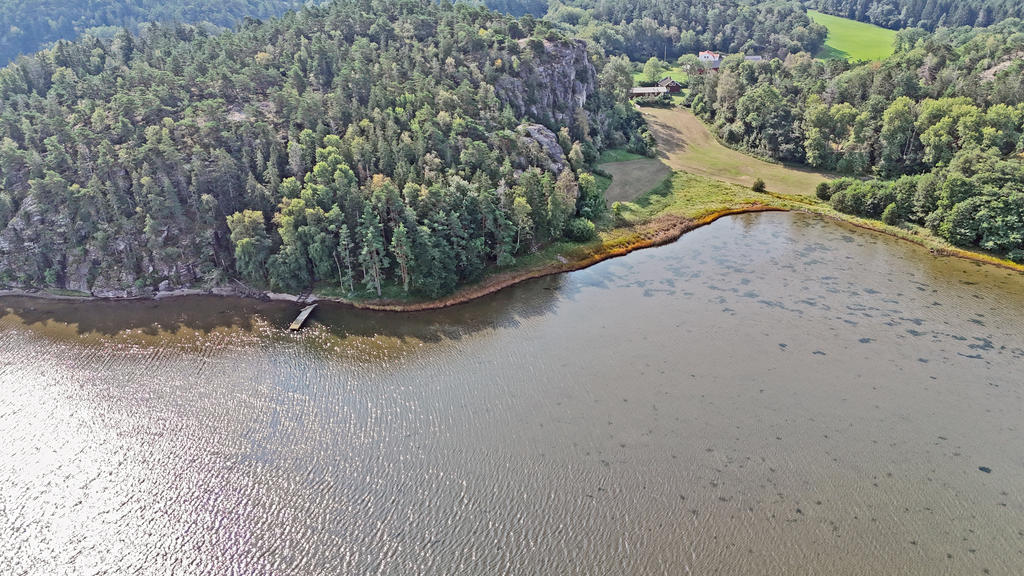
<point x="682" y="203"/>
<point x="701" y="181"/>
<point x="705" y="181"/>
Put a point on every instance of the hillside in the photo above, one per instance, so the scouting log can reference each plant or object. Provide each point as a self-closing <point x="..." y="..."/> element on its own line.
<point x="404" y="147"/>
<point x="668" y="29"/>
<point x="684" y="143"/>
<point x="940" y="124"/>
<point x="930" y="14"/>
<point x="26" y="27"/>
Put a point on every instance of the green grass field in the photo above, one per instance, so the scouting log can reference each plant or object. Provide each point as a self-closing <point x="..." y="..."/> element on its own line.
<point x="617" y="155"/>
<point x="675" y="72"/>
<point x="685" y="143"/>
<point x="633" y="178"/>
<point x="689" y="196"/>
<point x="853" y="40"/>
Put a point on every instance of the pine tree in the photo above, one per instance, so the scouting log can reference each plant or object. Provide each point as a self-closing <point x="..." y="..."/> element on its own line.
<point x="373" y="255"/>
<point x="521" y="220"/>
<point x="343" y="258"/>
<point x="402" y="252"/>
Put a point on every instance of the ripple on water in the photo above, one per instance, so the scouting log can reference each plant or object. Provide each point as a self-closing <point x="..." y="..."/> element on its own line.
<point x="773" y="394"/>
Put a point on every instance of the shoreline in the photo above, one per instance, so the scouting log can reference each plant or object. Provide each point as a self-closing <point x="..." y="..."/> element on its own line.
<point x="658" y="232"/>
<point x="938" y="249"/>
<point x="661" y="231"/>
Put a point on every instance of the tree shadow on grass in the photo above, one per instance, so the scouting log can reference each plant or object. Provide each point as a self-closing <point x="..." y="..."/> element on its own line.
<point x="670" y="139"/>
<point x="831" y="53"/>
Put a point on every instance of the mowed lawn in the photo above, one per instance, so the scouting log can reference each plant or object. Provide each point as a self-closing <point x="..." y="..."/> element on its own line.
<point x="634" y="178"/>
<point x="674" y="72"/>
<point x="853" y="40"/>
<point x="685" y="143"/>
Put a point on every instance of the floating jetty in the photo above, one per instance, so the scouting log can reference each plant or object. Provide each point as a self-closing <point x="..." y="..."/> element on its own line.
<point x="302" y="317"/>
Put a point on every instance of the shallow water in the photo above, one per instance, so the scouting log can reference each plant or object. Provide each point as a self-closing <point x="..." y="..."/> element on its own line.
<point x="772" y="394"/>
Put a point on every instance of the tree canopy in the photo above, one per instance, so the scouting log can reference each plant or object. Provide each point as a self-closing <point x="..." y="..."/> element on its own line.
<point x="362" y="145"/>
<point x="667" y="29"/>
<point x="945" y="114"/>
<point x="30" y="26"/>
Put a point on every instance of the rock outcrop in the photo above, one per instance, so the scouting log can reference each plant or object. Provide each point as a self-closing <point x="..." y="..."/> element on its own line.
<point x="554" y="80"/>
<point x="541" y="144"/>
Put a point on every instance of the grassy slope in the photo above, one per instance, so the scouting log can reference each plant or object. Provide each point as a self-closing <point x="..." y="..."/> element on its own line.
<point x="854" y="40"/>
<point x="692" y="197"/>
<point x="633" y="178"/>
<point x="631" y="174"/>
<point x="617" y="155"/>
<point x="684" y="143"/>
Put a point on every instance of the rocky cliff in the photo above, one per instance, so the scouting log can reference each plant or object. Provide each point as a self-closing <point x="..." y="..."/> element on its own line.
<point x="554" y="81"/>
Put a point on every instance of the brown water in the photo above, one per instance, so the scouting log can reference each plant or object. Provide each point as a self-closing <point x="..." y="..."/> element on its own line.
<point x="772" y="394"/>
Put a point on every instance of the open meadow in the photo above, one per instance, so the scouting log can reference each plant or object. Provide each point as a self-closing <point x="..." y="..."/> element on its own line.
<point x="673" y="71"/>
<point x="631" y="175"/>
<point x="685" y="143"/>
<point x="853" y="40"/>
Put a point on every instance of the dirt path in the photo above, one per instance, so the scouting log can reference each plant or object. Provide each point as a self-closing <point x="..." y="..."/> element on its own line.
<point x="684" y="143"/>
<point x="633" y="178"/>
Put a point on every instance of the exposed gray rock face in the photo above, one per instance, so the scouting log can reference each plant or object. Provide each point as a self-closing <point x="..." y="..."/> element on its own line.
<point x="554" y="80"/>
<point x="120" y="267"/>
<point x="20" y="242"/>
<point x="542" y="145"/>
<point x="78" y="277"/>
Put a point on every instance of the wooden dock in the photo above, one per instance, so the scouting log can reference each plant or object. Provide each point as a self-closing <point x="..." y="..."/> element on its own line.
<point x="302" y="317"/>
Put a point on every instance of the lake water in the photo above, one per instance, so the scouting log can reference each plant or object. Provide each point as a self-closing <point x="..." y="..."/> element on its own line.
<point x="772" y="394"/>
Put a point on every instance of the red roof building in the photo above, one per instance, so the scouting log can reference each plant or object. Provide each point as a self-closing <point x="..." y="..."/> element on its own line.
<point x="672" y="85"/>
<point x="709" y="60"/>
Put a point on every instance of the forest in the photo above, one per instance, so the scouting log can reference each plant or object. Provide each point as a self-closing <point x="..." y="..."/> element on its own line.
<point x="406" y="147"/>
<point x="26" y="27"/>
<point x="638" y="28"/>
<point x="361" y="145"/>
<point x="927" y="14"/>
<point x="944" y="116"/>
<point x="668" y="29"/>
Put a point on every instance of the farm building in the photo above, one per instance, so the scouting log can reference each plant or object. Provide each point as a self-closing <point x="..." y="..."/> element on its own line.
<point x="644" y="92"/>
<point x="713" y="60"/>
<point x="672" y="85"/>
<point x="709" y="60"/>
